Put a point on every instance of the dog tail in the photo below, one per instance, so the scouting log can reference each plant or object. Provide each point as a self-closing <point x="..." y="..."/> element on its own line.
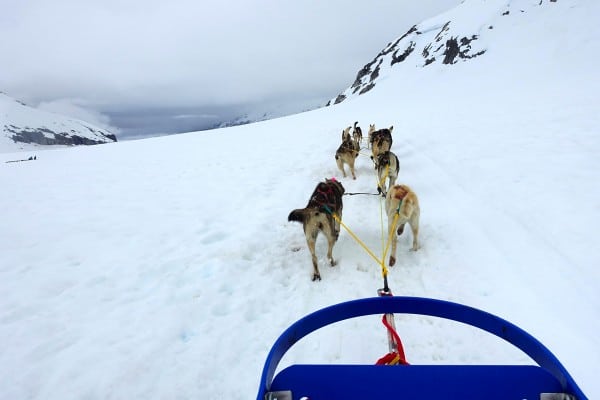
<point x="298" y="215"/>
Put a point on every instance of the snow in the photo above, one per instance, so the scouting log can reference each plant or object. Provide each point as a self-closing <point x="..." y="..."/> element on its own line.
<point x="165" y="268"/>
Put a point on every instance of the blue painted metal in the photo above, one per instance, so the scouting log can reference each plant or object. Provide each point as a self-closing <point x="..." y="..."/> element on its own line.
<point x="417" y="381"/>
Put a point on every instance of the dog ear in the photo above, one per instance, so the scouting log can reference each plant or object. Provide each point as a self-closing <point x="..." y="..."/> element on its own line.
<point x="391" y="128"/>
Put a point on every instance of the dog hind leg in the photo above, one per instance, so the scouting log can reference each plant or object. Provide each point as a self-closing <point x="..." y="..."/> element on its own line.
<point x="414" y="226"/>
<point x="311" y="241"/>
<point x="330" y="242"/>
<point x="394" y="239"/>
<point x="340" y="165"/>
<point x="351" y="164"/>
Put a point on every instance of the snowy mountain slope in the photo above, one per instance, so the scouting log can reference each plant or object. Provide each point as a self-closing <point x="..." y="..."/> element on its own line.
<point x="272" y="111"/>
<point x="26" y="128"/>
<point x="173" y="271"/>
<point x="459" y="35"/>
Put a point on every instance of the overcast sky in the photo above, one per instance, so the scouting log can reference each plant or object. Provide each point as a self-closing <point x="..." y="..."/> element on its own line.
<point x="143" y="67"/>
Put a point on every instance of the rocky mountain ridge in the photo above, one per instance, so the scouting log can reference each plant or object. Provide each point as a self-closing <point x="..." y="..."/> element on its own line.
<point x="452" y="37"/>
<point x="24" y="127"/>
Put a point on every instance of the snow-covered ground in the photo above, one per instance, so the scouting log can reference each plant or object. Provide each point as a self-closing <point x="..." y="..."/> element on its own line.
<point x="165" y="268"/>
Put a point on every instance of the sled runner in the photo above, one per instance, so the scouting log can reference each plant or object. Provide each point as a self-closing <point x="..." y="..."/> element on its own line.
<point x="548" y="380"/>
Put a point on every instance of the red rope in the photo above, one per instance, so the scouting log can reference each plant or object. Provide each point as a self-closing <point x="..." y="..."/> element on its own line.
<point x="394" y="357"/>
<point x="389" y="359"/>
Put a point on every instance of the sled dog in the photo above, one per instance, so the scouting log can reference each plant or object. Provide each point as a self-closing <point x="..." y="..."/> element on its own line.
<point x="387" y="166"/>
<point x="357" y="134"/>
<point x="346" y="134"/>
<point x="402" y="201"/>
<point x="370" y="134"/>
<point x="347" y="154"/>
<point x="317" y="217"/>
<point x="381" y="140"/>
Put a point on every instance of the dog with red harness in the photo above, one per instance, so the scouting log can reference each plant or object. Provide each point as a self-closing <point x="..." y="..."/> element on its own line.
<point x="322" y="214"/>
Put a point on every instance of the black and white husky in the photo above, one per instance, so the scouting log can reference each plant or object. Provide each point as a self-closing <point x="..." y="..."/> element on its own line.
<point x="388" y="167"/>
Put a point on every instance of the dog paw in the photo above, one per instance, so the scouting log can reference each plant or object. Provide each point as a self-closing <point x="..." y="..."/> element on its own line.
<point x="316" y="277"/>
<point x="333" y="263"/>
<point x="392" y="261"/>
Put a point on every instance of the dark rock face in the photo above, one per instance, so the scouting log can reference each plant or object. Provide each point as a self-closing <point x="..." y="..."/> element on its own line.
<point x="366" y="70"/>
<point x="399" y="58"/>
<point x="45" y="136"/>
<point x="367" y="88"/>
<point x="111" y="137"/>
<point x="433" y="42"/>
<point x="340" y="98"/>
<point x="454" y="49"/>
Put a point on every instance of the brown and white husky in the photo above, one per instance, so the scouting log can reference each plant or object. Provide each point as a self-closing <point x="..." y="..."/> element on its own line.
<point x="347" y="154"/>
<point x="317" y="216"/>
<point x="403" y="202"/>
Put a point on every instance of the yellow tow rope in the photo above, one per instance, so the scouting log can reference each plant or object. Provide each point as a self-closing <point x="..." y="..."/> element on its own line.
<point x="385" y="246"/>
<point x="382" y="181"/>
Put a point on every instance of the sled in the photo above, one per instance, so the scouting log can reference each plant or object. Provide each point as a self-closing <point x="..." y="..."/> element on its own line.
<point x="548" y="380"/>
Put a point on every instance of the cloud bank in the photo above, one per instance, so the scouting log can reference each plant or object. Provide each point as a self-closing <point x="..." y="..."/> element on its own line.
<point x="121" y="57"/>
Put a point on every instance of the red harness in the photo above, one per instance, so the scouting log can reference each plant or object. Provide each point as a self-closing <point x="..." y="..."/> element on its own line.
<point x="324" y="195"/>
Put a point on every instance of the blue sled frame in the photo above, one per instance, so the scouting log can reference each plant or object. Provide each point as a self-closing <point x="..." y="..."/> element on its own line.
<point x="549" y="380"/>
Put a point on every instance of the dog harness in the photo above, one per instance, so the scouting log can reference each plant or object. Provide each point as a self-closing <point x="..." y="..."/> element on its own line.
<point x="324" y="197"/>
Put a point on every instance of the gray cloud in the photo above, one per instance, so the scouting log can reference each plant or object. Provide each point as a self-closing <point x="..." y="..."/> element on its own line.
<point x="78" y="108"/>
<point x="118" y="57"/>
